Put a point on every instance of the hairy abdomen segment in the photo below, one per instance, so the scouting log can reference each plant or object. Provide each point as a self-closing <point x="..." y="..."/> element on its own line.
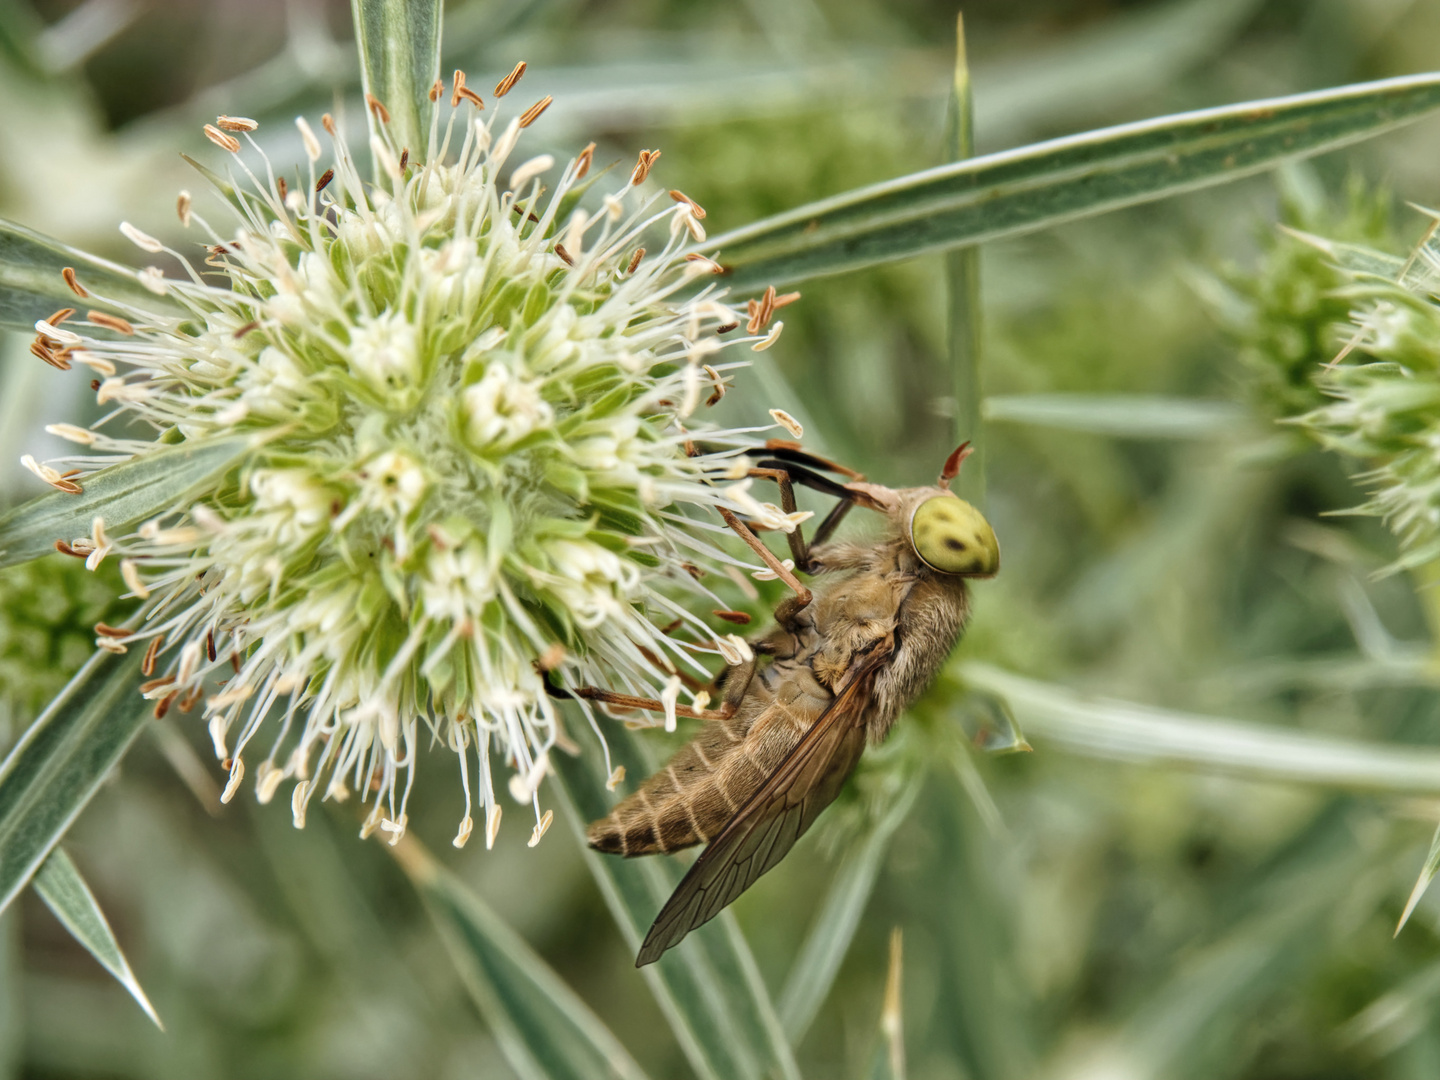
<point x="699" y="790"/>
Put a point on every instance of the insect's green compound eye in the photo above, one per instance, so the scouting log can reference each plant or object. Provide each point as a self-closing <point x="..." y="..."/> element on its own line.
<point x="951" y="536"/>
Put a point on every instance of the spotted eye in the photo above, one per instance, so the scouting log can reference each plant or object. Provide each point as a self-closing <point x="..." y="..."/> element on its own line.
<point x="951" y="536"/>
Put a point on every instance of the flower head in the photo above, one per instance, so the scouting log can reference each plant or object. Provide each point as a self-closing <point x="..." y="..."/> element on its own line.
<point x="466" y="402"/>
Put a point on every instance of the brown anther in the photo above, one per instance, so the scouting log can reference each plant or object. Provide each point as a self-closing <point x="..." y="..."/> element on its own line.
<point x="643" y="166"/>
<point x="188" y="701"/>
<point x="324" y="181"/>
<point x="436" y="89"/>
<point x="44" y="352"/>
<point x="67" y="486"/>
<point x="65" y="549"/>
<point x="404" y="158"/>
<point x="670" y="628"/>
<point x="530" y="115"/>
<point x="695" y="207"/>
<point x="718" y="383"/>
<point x="281" y="187"/>
<point x="94" y="383"/>
<point x="466" y="94"/>
<point x="69" y="275"/>
<point x="70" y="472"/>
<point x="210" y="645"/>
<point x="564" y="255"/>
<point x="110" y="322"/>
<point x="726" y="328"/>
<point x="517" y="210"/>
<point x="552" y="657"/>
<point x="785" y="298"/>
<point x="378" y="108"/>
<point x="163" y="705"/>
<point x="739" y="618"/>
<point x="252" y="325"/>
<point x="106" y="630"/>
<point x="60" y="316"/>
<point x="457" y="82"/>
<point x="147" y="665"/>
<point x="328" y="123"/>
<point x="236" y="123"/>
<point x="235" y="662"/>
<point x="505" y="85"/>
<point x="693" y="570"/>
<point x="220" y="139"/>
<point x="635" y="260"/>
<point x="163" y="680"/>
<point x="761" y="311"/>
<point x="582" y="162"/>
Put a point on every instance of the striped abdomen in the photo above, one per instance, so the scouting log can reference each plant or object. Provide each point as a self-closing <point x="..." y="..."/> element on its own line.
<point x="709" y="778"/>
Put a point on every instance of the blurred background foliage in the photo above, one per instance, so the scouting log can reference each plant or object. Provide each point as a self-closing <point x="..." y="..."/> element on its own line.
<point x="1086" y="911"/>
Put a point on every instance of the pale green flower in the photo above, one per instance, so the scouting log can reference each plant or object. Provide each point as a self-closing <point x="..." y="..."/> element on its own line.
<point x="469" y="458"/>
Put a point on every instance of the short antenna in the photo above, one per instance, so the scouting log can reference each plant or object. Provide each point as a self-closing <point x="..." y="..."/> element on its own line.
<point x="953" y="463"/>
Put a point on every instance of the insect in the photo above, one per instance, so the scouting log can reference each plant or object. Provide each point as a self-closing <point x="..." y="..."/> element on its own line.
<point x="834" y="673"/>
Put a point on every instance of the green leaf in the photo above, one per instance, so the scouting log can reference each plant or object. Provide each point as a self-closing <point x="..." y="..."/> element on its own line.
<point x="31" y="287"/>
<point x="888" y="1062"/>
<point x="1427" y="875"/>
<point x="829" y="939"/>
<point x="708" y="987"/>
<point x="962" y="287"/>
<point x="61" y="761"/>
<point x="1019" y="191"/>
<point x="124" y="495"/>
<point x="399" y="43"/>
<point x="545" y="1031"/>
<point x="1125" y="416"/>
<point x="1123" y="731"/>
<point x="65" y="893"/>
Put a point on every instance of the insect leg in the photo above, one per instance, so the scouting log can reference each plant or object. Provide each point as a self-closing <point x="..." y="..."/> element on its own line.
<point x="629" y="701"/>
<point x="786" y="474"/>
<point x="798" y="548"/>
<point x="802" y="594"/>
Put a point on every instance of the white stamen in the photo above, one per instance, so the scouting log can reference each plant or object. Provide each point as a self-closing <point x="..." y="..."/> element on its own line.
<point x="141" y="240"/>
<point x="523" y="174"/>
<point x="307" y="136"/>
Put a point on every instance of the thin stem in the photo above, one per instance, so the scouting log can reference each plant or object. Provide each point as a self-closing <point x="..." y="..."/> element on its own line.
<point x="962" y="290"/>
<point x="399" y="43"/>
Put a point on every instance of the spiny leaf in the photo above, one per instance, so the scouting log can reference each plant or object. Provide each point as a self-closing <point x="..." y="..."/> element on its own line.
<point x="708" y="987"/>
<point x="829" y="939"/>
<point x="124" y="495"/>
<point x="1019" y="191"/>
<point x="1427" y="875"/>
<point x="65" y="893"/>
<point x="31" y="287"/>
<point x="545" y="1031"/>
<point x="1126" y="416"/>
<point x="1124" y="731"/>
<point x="61" y="761"/>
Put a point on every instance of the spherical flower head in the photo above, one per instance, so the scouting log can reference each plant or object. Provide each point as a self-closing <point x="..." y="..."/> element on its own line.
<point x="469" y="463"/>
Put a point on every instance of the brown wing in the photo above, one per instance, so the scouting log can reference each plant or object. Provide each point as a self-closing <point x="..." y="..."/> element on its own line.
<point x="767" y="826"/>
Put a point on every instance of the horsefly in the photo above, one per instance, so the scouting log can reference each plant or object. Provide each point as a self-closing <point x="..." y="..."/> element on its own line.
<point x="794" y="715"/>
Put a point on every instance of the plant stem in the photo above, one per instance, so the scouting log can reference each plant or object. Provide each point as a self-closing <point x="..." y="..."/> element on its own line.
<point x="399" y="43"/>
<point x="962" y="289"/>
